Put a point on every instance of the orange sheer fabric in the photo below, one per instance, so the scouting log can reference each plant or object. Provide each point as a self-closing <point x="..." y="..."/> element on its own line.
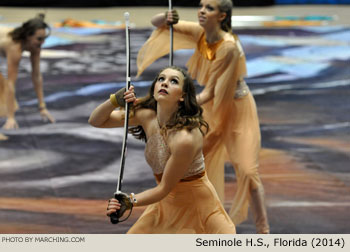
<point x="192" y="207"/>
<point x="234" y="127"/>
<point x="208" y="50"/>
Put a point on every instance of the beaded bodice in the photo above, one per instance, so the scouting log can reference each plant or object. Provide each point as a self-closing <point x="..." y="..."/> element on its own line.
<point x="157" y="154"/>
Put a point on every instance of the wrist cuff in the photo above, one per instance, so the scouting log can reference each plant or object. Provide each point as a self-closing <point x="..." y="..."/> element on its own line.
<point x="113" y="100"/>
<point x="42" y="106"/>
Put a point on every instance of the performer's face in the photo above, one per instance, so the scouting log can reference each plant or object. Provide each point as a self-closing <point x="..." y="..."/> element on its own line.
<point x="36" y="40"/>
<point x="169" y="86"/>
<point x="209" y="14"/>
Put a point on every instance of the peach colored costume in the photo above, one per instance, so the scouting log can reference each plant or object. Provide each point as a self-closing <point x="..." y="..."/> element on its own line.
<point x="232" y="116"/>
<point x="192" y="207"/>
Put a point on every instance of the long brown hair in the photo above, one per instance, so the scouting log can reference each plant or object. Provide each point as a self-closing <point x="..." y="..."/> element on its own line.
<point x="29" y="27"/>
<point x="188" y="115"/>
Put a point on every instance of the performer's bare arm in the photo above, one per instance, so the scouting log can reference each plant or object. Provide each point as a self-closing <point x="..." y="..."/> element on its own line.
<point x="106" y="115"/>
<point x="206" y="95"/>
<point x="14" y="54"/>
<point x="165" y="18"/>
<point x="37" y="80"/>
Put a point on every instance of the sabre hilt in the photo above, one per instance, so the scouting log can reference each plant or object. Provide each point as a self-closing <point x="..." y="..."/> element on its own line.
<point x="126" y="204"/>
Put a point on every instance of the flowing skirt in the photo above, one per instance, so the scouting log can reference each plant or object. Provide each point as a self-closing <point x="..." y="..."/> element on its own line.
<point x="192" y="207"/>
<point x="238" y="143"/>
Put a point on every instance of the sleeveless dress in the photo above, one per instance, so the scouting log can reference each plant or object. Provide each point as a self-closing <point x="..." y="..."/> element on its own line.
<point x="234" y="132"/>
<point x="192" y="207"/>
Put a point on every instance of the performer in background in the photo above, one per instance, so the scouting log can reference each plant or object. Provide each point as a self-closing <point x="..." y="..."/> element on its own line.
<point x="170" y="121"/>
<point x="28" y="37"/>
<point x="218" y="63"/>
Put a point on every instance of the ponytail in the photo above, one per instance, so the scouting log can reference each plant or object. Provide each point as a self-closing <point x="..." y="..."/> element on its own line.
<point x="226" y="6"/>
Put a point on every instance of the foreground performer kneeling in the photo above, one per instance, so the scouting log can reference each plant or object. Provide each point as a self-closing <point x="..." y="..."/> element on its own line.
<point x="170" y="120"/>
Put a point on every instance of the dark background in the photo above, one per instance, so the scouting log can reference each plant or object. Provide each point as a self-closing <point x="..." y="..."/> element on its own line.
<point x="104" y="3"/>
<point x="184" y="3"/>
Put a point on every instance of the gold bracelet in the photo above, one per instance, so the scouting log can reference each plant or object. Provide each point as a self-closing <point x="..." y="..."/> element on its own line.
<point x="113" y="100"/>
<point x="42" y="106"/>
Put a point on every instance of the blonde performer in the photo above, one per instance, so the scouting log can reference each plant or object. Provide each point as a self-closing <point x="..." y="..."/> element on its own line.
<point x="218" y="63"/>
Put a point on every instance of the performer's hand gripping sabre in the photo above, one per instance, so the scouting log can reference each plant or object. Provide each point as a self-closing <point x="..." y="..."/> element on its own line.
<point x="123" y="198"/>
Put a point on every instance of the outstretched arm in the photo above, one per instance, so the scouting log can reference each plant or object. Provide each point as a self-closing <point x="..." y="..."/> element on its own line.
<point x="37" y="80"/>
<point x="181" y="157"/>
<point x="184" y="146"/>
<point x="13" y="58"/>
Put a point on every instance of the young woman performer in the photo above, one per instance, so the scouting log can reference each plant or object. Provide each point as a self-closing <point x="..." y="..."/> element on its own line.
<point x="170" y="121"/>
<point x="28" y="37"/>
<point x="219" y="64"/>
